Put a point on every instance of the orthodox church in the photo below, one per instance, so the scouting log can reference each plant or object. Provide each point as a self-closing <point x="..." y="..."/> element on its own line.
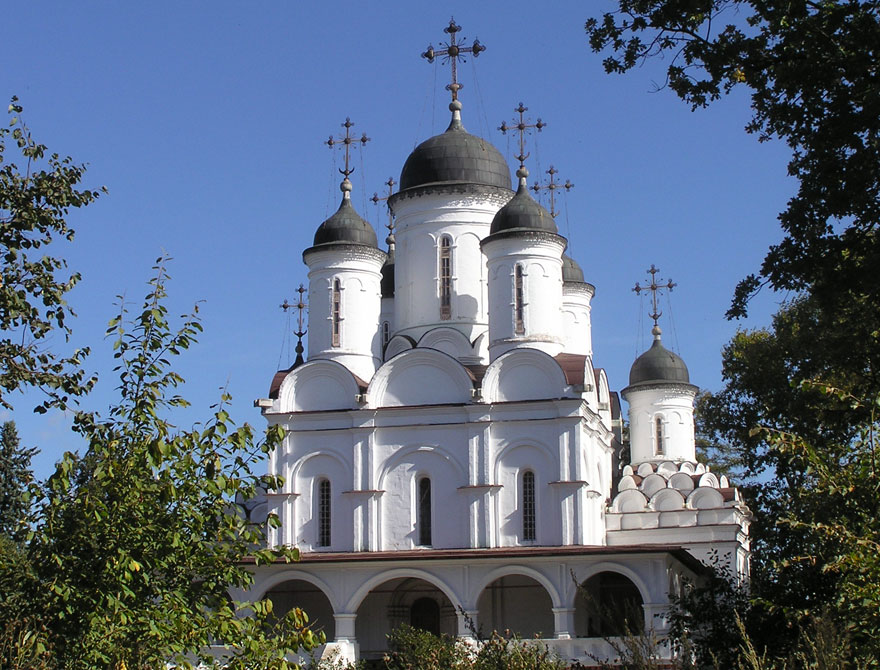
<point x="453" y="458"/>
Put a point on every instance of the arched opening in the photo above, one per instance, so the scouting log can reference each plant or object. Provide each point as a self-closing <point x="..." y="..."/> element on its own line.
<point x="445" y="274"/>
<point x="659" y="447"/>
<point x="405" y="600"/>
<point x="608" y="604"/>
<point x="527" y="501"/>
<point x="423" y="511"/>
<point x="516" y="603"/>
<point x="519" y="322"/>
<point x="336" y="314"/>
<point x="307" y="597"/>
<point x="323" y="499"/>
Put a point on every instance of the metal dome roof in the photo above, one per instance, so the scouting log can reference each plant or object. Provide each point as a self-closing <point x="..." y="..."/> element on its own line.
<point x="658" y="364"/>
<point x="346" y="227"/>
<point x="571" y="271"/>
<point x="522" y="213"/>
<point x="455" y="156"/>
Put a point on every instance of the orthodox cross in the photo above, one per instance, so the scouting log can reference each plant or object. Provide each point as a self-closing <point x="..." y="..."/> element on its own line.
<point x="300" y="330"/>
<point x="347" y="141"/>
<point x="376" y="200"/>
<point x="451" y="53"/>
<point x="552" y="185"/>
<point x="655" y="288"/>
<point x="523" y="127"/>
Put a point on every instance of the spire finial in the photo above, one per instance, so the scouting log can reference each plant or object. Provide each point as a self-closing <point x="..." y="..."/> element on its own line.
<point x="390" y="225"/>
<point x="452" y="51"/>
<point x="346" y="141"/>
<point x="552" y="185"/>
<point x="300" y="331"/>
<point x="523" y="127"/>
<point x="655" y="288"/>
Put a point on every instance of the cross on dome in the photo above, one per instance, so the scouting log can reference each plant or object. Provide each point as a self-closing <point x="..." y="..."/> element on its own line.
<point x="552" y="185"/>
<point x="376" y="200"/>
<point x="300" y="330"/>
<point x="346" y="141"/>
<point x="523" y="127"/>
<point x="656" y="289"/>
<point x="451" y="53"/>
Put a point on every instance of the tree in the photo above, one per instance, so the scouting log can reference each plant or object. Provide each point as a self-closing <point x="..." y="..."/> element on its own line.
<point x="137" y="541"/>
<point x="35" y="199"/>
<point x="15" y="479"/>
<point x="812" y="69"/>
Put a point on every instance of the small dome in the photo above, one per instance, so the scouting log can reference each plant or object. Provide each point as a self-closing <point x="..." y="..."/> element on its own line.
<point x="522" y="213"/>
<point x="346" y="227"/>
<point x="387" y="282"/>
<point x="571" y="271"/>
<point x="455" y="156"/>
<point x="658" y="364"/>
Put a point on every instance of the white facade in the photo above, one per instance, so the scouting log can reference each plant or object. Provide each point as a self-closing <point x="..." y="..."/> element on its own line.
<point x="451" y="451"/>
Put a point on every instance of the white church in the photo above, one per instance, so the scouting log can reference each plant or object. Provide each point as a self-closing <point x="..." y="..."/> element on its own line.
<point x="452" y="456"/>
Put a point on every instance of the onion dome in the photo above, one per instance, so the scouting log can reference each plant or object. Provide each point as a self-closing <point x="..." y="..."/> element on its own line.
<point x="658" y="365"/>
<point x="346" y="226"/>
<point x="571" y="271"/>
<point x="387" y="282"/>
<point x="455" y="156"/>
<point x="523" y="213"/>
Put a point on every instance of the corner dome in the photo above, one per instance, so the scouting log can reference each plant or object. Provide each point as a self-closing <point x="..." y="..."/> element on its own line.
<point x="571" y="271"/>
<point x="455" y="156"/>
<point x="523" y="213"/>
<point x="346" y="227"/>
<point x="658" y="365"/>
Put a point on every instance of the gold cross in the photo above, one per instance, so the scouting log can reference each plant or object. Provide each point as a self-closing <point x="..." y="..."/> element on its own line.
<point x="655" y="290"/>
<point x="551" y="186"/>
<point x="522" y="127"/>
<point x="452" y="52"/>
<point x="347" y="141"/>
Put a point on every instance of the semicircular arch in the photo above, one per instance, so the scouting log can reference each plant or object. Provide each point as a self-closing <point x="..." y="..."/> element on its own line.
<point x="364" y="589"/>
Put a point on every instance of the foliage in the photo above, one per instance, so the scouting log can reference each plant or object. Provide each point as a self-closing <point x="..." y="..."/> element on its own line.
<point x="15" y="478"/>
<point x="811" y="68"/>
<point x="415" y="649"/>
<point x="35" y="199"/>
<point x="137" y="542"/>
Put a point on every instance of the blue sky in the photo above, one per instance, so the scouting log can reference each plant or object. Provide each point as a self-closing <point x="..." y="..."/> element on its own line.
<point x="207" y="123"/>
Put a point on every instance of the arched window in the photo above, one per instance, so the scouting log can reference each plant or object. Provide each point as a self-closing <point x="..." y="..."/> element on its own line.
<point x="423" y="512"/>
<point x="324" y="513"/>
<point x="386" y="333"/>
<point x="424" y="614"/>
<point x="529" y="531"/>
<point x="608" y="605"/>
<point x="519" y="326"/>
<point x="659" y="447"/>
<point x="336" y="313"/>
<point x="445" y="277"/>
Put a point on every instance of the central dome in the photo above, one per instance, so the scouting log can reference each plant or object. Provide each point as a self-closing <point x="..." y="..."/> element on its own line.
<point x="455" y="156"/>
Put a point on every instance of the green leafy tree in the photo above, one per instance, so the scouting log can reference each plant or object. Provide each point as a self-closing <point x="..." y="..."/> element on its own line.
<point x="36" y="197"/>
<point x="811" y="69"/>
<point x="137" y="541"/>
<point x="15" y="479"/>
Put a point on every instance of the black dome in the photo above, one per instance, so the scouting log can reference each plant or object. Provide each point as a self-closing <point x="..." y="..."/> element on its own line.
<point x="387" y="281"/>
<point x="522" y="213"/>
<point x="346" y="227"/>
<point x="455" y="156"/>
<point x="658" y="364"/>
<point x="571" y="271"/>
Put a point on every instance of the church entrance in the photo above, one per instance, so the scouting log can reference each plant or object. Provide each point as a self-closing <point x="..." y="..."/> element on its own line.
<point x="308" y="597"/>
<point x="516" y="603"/>
<point x="405" y="600"/>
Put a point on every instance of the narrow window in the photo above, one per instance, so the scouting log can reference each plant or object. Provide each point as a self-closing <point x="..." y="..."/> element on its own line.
<point x="336" y="312"/>
<point x="324" y="513"/>
<point x="519" y="327"/>
<point x="386" y="333"/>
<point x="424" y="512"/>
<point x="658" y="436"/>
<point x="445" y="278"/>
<point x="528" y="506"/>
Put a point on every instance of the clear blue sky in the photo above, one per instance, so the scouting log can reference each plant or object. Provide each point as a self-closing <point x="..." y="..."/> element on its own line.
<point x="206" y="122"/>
